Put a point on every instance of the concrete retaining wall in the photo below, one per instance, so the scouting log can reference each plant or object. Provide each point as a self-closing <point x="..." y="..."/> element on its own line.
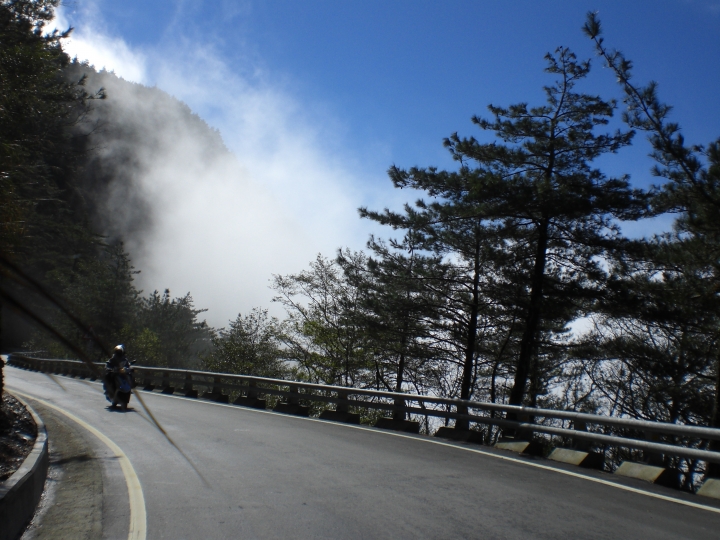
<point x="20" y="494"/>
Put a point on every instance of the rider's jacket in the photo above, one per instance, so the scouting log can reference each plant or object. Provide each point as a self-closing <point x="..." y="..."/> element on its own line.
<point x="116" y="361"/>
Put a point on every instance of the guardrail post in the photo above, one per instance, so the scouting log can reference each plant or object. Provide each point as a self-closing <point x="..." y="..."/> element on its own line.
<point x="216" y="393"/>
<point x="461" y="425"/>
<point x="399" y="410"/>
<point x="293" y="396"/>
<point x="189" y="391"/>
<point x="292" y="405"/>
<point x="148" y="381"/>
<point x="524" y="434"/>
<point x="342" y="410"/>
<point x="398" y="422"/>
<point x="579" y="444"/>
<point x="252" y="399"/>
<point x="252" y="393"/>
<point x="653" y="458"/>
<point x="461" y="430"/>
<point x="342" y="403"/>
<point x="520" y="439"/>
<point x="167" y="389"/>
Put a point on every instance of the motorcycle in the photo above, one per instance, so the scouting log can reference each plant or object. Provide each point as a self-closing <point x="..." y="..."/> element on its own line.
<point x="119" y="384"/>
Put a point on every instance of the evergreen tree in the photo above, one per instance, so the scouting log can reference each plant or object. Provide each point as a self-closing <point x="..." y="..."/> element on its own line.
<point x="37" y="106"/>
<point x="169" y="328"/>
<point x="551" y="212"/>
<point x="692" y="190"/>
<point x="653" y="349"/>
<point x="457" y="290"/>
<point x="397" y="313"/>
<point x="99" y="289"/>
<point x="43" y="224"/>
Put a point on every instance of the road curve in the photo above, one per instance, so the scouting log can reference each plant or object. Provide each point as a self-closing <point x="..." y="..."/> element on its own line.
<point x="271" y="476"/>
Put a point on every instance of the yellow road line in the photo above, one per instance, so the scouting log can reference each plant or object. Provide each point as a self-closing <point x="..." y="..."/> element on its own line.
<point x="466" y="449"/>
<point x="138" y="517"/>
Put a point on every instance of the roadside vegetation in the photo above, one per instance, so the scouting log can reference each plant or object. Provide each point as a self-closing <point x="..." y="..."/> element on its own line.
<point x="509" y="281"/>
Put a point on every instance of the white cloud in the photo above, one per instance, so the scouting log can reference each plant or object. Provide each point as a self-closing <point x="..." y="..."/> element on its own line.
<point x="102" y="51"/>
<point x="223" y="226"/>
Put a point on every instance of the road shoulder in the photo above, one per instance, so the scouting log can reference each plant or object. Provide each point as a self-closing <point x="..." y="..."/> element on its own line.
<point x="71" y="506"/>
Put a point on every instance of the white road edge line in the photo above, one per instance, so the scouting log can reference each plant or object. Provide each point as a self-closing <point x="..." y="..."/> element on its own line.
<point x="450" y="445"/>
<point x="138" y="516"/>
<point x="466" y="449"/>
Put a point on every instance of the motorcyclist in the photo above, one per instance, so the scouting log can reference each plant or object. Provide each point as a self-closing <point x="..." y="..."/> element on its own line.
<point x="116" y="362"/>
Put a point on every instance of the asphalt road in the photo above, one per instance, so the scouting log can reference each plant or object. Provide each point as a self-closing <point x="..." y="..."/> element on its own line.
<point x="276" y="476"/>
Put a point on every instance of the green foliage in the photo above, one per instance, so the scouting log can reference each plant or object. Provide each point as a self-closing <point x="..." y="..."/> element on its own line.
<point x="37" y="105"/>
<point x="143" y="345"/>
<point x="324" y="335"/>
<point x="250" y="346"/>
<point x="669" y="338"/>
<point x="170" y="330"/>
<point x="530" y="214"/>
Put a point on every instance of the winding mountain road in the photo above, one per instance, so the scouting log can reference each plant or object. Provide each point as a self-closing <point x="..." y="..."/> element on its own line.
<point x="267" y="475"/>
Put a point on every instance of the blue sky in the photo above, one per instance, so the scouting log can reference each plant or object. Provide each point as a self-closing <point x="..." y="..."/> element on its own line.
<point x="356" y="86"/>
<point x="404" y="74"/>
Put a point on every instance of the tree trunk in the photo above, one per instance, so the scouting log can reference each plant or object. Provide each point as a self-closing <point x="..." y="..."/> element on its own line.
<point x="400" y="415"/>
<point x="527" y="345"/>
<point x="2" y="364"/>
<point x="713" y="469"/>
<point x="468" y="364"/>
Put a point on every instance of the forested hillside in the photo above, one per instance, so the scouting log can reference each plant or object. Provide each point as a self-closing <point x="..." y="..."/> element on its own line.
<point x="473" y="293"/>
<point x="74" y="143"/>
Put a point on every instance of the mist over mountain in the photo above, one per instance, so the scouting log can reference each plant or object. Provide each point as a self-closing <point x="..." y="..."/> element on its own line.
<point x="134" y="136"/>
<point x="161" y="180"/>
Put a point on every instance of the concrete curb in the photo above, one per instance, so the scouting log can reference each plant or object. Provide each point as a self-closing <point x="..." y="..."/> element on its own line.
<point x="588" y="460"/>
<point x="649" y="473"/>
<point x="710" y="488"/>
<point x="529" y="448"/>
<point x="20" y="494"/>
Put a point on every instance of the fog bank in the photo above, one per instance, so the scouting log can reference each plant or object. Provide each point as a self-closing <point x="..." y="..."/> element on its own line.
<point x="216" y="213"/>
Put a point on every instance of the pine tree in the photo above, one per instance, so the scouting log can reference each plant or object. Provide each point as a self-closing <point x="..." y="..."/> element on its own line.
<point x="535" y="189"/>
<point x="397" y="313"/>
<point x="692" y="190"/>
<point x="173" y="324"/>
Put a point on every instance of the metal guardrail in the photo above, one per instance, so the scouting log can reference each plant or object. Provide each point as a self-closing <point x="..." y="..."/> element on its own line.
<point x="251" y="389"/>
